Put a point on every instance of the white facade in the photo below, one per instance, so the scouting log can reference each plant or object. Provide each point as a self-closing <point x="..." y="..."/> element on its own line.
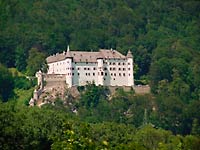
<point x="106" y="67"/>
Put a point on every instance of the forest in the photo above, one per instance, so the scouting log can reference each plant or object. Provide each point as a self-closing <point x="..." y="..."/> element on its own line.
<point x="164" y="37"/>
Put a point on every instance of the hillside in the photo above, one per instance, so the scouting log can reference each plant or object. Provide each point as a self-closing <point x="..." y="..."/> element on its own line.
<point x="164" y="37"/>
<point x="142" y="26"/>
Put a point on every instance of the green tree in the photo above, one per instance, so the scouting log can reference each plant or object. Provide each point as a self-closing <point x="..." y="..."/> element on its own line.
<point x="90" y="98"/>
<point x="6" y="83"/>
<point x="20" y="61"/>
<point x="35" y="61"/>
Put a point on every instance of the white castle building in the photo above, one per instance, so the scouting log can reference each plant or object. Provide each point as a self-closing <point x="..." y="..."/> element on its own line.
<point x="106" y="67"/>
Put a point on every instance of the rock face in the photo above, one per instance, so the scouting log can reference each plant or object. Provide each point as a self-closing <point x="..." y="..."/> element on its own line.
<point x="55" y="87"/>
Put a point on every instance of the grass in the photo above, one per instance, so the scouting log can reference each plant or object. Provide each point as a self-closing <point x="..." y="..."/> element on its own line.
<point x="15" y="72"/>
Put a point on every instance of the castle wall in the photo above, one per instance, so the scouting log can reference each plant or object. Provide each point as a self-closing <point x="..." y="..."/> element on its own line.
<point x="115" y="72"/>
<point x="84" y="72"/>
<point x="105" y="71"/>
<point x="59" y="67"/>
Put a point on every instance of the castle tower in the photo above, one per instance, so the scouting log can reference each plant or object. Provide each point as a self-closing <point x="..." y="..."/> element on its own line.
<point x="100" y="71"/>
<point x="69" y="68"/>
<point x="129" y="57"/>
<point x="40" y="79"/>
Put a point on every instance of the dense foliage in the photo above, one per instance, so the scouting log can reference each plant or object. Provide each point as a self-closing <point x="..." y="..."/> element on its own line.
<point x="35" y="128"/>
<point x="170" y="113"/>
<point x="164" y="26"/>
<point x="6" y="83"/>
<point x="164" y="38"/>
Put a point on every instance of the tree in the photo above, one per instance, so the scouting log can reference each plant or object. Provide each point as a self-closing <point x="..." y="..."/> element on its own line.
<point x="35" y="61"/>
<point x="90" y="98"/>
<point x="160" y="70"/>
<point x="6" y="83"/>
<point x="20" y="61"/>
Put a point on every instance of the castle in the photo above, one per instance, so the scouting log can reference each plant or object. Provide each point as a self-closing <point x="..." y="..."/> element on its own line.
<point x="106" y="67"/>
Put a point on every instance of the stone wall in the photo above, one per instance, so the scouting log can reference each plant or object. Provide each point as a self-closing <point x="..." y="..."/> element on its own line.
<point x="54" y="78"/>
<point x="142" y="89"/>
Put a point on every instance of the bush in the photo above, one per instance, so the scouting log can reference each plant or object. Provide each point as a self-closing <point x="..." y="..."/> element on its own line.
<point x="23" y="83"/>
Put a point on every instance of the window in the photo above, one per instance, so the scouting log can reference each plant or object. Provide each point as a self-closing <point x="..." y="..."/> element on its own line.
<point x="119" y="63"/>
<point x="88" y="74"/>
<point x="88" y="68"/>
<point x="110" y="68"/>
<point x="78" y="68"/>
<point x="85" y="68"/>
<point x="110" y="63"/>
<point x="114" y="79"/>
<point x="114" y="74"/>
<point x="119" y="69"/>
<point x="129" y="68"/>
<point x="114" y="63"/>
<point x="123" y="63"/>
<point x="78" y="74"/>
<point x="105" y="68"/>
<point x="93" y="74"/>
<point x="102" y="73"/>
<point x="128" y="63"/>
<point x="113" y="68"/>
<point x="111" y="74"/>
<point x="124" y="69"/>
<point x="94" y="68"/>
<point x="105" y="73"/>
<point x="119" y="74"/>
<point x="129" y="74"/>
<point x="72" y="74"/>
<point x="124" y="74"/>
<point x="72" y="68"/>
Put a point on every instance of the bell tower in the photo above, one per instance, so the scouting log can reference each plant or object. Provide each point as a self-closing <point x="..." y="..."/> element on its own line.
<point x="69" y="77"/>
<point x="129" y="57"/>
